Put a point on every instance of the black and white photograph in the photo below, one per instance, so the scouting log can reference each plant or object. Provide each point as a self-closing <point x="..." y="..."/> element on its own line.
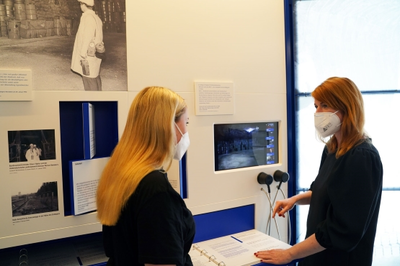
<point x="34" y="199"/>
<point x="31" y="145"/>
<point x="70" y="45"/>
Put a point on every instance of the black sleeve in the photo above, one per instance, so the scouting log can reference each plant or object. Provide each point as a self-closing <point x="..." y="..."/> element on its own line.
<point x="323" y="157"/>
<point x="354" y="191"/>
<point x="160" y="237"/>
<point x="107" y="240"/>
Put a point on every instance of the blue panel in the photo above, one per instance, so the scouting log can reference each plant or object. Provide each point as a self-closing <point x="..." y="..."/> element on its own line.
<point x="71" y="125"/>
<point x="225" y="222"/>
<point x="71" y="131"/>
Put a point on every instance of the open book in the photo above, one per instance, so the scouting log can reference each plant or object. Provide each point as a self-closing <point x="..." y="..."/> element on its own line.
<point x="234" y="250"/>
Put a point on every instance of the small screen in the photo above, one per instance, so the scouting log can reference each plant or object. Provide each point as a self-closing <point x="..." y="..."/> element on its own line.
<point x="245" y="145"/>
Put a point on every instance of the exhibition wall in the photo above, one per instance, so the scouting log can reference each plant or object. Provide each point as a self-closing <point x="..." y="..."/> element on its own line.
<point x="200" y="49"/>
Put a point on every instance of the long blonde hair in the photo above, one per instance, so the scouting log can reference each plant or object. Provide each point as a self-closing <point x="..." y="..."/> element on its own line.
<point x="342" y="94"/>
<point x="147" y="144"/>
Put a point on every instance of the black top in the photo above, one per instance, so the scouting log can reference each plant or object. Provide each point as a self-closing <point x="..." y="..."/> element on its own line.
<point x="344" y="207"/>
<point x="154" y="227"/>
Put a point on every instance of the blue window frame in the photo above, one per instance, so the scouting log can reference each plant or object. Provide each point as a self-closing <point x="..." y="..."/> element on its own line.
<point x="358" y="39"/>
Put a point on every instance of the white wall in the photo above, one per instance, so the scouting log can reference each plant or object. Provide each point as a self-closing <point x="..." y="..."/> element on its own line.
<point x="174" y="43"/>
<point x="178" y="42"/>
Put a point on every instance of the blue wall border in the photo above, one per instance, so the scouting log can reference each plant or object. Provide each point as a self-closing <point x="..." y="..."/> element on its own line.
<point x="291" y="105"/>
<point x="224" y="222"/>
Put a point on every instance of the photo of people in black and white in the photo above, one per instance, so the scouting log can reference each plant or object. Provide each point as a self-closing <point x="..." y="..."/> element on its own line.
<point x="77" y="45"/>
<point x="31" y="145"/>
<point x="40" y="199"/>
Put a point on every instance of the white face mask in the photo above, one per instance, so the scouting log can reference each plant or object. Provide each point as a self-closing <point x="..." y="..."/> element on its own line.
<point x="182" y="145"/>
<point x="326" y="123"/>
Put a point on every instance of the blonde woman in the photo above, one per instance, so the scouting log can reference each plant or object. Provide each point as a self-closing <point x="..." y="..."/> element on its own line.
<point x="145" y="221"/>
<point x="345" y="197"/>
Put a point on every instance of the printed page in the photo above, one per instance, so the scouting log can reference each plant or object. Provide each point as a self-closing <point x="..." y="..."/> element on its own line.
<point x="257" y="240"/>
<point x="85" y="176"/>
<point x="235" y="250"/>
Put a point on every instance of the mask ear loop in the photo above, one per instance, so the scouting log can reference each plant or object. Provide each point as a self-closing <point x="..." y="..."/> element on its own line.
<point x="178" y="128"/>
<point x="338" y="117"/>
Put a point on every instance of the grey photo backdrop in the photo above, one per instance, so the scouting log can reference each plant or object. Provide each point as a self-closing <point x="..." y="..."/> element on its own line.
<point x="40" y="34"/>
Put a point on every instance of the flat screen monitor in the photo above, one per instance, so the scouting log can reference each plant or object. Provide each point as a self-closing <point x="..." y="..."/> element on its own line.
<point x="242" y="145"/>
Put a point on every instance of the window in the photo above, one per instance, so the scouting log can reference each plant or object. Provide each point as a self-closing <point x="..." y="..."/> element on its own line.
<point x="358" y="39"/>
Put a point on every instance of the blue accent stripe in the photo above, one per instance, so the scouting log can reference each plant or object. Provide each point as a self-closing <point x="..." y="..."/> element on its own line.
<point x="237" y="239"/>
<point x="224" y="222"/>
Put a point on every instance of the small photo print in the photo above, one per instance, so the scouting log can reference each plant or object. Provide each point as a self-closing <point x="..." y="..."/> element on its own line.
<point x="31" y="145"/>
<point x="41" y="199"/>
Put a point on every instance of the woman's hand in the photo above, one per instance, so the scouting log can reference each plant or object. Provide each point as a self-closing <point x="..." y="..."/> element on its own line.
<point x="274" y="256"/>
<point x="283" y="206"/>
<point x="303" y="249"/>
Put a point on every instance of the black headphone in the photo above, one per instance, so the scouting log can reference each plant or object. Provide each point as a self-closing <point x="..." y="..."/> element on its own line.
<point x="281" y="177"/>
<point x="264" y="178"/>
